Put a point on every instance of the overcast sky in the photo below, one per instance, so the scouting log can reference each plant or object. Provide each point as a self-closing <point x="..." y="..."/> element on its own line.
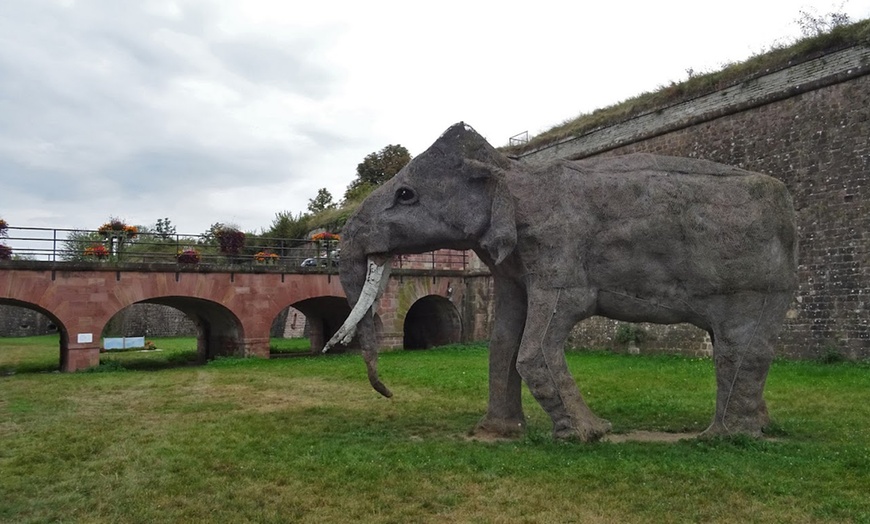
<point x="209" y="111"/>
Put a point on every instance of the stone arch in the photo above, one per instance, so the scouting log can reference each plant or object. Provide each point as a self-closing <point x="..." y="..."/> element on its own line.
<point x="323" y="316"/>
<point x="219" y="330"/>
<point x="62" y="330"/>
<point x="150" y="320"/>
<point x="432" y="321"/>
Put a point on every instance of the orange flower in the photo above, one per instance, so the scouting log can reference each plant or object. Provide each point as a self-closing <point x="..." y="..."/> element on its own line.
<point x="263" y="256"/>
<point x="116" y="226"/>
<point x="325" y="236"/>
<point x="97" y="251"/>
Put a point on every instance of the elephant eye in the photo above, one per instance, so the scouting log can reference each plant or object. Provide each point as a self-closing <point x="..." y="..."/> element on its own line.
<point x="405" y="196"/>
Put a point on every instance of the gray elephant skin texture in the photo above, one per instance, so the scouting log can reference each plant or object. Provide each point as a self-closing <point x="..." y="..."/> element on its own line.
<point x="634" y="238"/>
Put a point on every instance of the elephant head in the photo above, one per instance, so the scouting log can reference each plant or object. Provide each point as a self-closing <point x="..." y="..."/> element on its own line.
<point x="452" y="196"/>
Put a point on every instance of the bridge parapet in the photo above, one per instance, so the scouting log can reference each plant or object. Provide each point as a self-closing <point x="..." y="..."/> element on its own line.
<point x="91" y="250"/>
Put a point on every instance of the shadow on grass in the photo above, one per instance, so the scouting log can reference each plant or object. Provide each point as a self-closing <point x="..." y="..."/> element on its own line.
<point x="28" y="368"/>
<point x="128" y="364"/>
<point x="133" y="362"/>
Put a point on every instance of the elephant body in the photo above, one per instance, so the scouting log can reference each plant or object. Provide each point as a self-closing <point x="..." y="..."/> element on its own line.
<point x="634" y="238"/>
<point x="652" y="238"/>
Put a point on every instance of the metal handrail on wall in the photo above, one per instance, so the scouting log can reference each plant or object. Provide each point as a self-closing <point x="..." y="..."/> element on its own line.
<point x="119" y="248"/>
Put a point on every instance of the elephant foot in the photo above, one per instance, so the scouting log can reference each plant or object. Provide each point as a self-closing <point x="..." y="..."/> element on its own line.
<point x="585" y="430"/>
<point x="490" y="428"/>
<point x="721" y="429"/>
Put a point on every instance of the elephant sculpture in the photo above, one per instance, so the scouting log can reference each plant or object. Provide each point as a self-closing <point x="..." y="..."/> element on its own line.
<point x="636" y="238"/>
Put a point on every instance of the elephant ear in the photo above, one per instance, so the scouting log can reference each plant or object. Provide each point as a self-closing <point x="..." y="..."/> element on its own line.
<point x="500" y="239"/>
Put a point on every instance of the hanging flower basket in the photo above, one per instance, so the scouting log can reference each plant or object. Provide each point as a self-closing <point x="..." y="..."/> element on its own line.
<point x="325" y="236"/>
<point x="4" y="228"/>
<point x="230" y="240"/>
<point x="264" y="257"/>
<point x="131" y="231"/>
<point x="97" y="251"/>
<point x="188" y="256"/>
<point x="117" y="228"/>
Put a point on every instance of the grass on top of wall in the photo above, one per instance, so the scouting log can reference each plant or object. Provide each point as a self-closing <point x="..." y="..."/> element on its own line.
<point x="307" y="440"/>
<point x="777" y="57"/>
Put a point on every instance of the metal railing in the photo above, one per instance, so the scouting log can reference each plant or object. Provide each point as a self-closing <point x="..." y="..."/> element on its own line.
<point x="121" y="248"/>
<point x="519" y="139"/>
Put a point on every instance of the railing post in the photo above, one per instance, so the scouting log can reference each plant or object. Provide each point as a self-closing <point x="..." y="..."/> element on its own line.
<point x="54" y="245"/>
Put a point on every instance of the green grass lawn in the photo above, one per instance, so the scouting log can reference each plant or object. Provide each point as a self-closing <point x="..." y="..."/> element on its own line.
<point x="289" y="345"/>
<point x="307" y="440"/>
<point x="42" y="354"/>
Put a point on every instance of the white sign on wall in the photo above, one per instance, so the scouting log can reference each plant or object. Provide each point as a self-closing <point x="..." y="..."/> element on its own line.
<point x="85" y="338"/>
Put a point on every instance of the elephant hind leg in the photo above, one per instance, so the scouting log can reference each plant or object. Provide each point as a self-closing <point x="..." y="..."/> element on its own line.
<point x="543" y="367"/>
<point x="743" y="349"/>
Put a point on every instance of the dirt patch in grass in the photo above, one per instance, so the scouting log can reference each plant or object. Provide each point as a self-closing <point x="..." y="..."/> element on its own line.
<point x="648" y="436"/>
<point x="489" y="438"/>
<point x="634" y="436"/>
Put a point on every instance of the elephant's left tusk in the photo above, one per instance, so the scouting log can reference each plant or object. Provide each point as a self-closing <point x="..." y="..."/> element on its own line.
<point x="376" y="278"/>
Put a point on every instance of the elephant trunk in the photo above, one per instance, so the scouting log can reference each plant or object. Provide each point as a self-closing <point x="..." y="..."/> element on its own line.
<point x="364" y="280"/>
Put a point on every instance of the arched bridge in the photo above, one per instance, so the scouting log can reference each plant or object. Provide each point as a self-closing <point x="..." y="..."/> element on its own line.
<point x="234" y="310"/>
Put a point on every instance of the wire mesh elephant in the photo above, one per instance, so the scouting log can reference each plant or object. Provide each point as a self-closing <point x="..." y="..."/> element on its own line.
<point x="635" y="238"/>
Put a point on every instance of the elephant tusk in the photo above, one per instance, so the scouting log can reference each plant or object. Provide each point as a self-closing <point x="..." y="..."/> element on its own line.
<point x="372" y="290"/>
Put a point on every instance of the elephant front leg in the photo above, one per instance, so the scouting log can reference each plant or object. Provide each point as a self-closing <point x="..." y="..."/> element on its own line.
<point x="504" y="415"/>
<point x="542" y="364"/>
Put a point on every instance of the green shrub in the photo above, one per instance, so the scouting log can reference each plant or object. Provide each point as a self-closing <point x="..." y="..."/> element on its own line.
<point x="627" y="333"/>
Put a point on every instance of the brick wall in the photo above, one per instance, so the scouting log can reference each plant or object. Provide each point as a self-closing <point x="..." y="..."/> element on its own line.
<point x="808" y="126"/>
<point x="448" y="259"/>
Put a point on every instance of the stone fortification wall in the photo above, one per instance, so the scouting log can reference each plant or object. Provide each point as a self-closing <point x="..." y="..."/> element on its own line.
<point x="807" y="125"/>
<point x="22" y="322"/>
<point x="151" y="320"/>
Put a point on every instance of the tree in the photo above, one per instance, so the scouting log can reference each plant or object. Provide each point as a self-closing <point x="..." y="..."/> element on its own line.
<point x="286" y="232"/>
<point x="356" y="192"/>
<point x="321" y="202"/>
<point x="375" y="169"/>
<point x="76" y="245"/>
<point x="230" y="240"/>
<point x="164" y="228"/>
<point x="287" y="226"/>
<point x="5" y="251"/>
<point x="813" y="24"/>
<point x="209" y="236"/>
